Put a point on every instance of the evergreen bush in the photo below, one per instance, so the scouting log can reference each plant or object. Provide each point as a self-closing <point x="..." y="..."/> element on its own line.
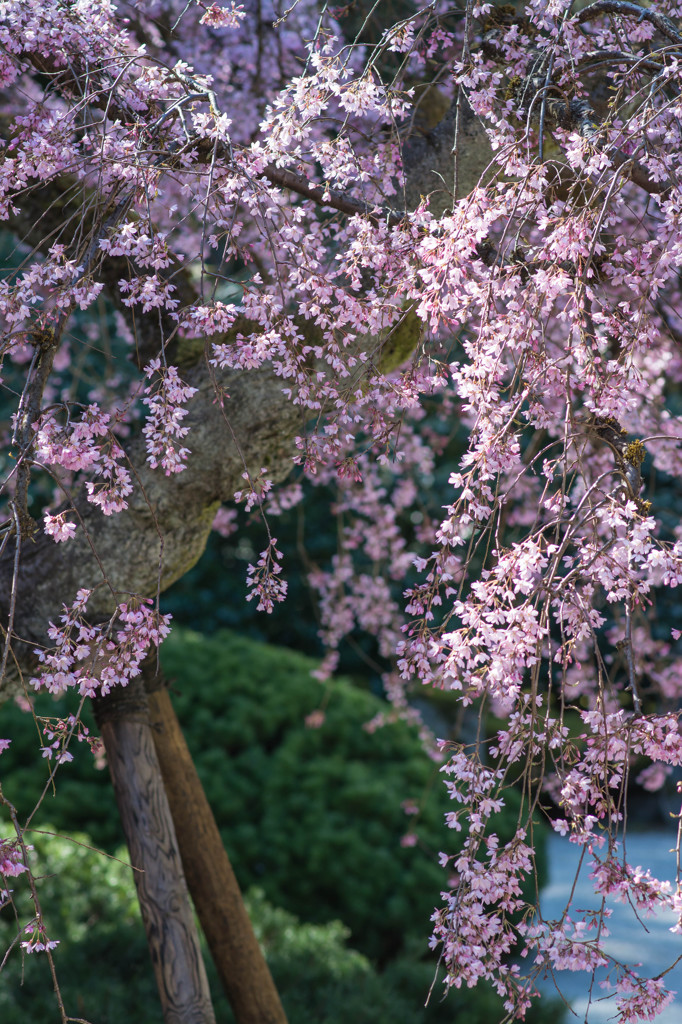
<point x="313" y="816"/>
<point x="105" y="975"/>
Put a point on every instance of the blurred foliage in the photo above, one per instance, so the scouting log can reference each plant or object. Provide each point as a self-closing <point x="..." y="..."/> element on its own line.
<point x="313" y="815"/>
<point x="212" y="595"/>
<point x="105" y="974"/>
<point x="92" y="909"/>
<point x="90" y="906"/>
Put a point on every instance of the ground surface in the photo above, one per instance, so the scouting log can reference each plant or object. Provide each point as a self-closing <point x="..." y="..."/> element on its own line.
<point x="628" y="940"/>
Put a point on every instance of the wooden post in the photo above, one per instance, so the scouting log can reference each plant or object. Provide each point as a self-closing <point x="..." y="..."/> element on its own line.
<point x="218" y="901"/>
<point x="167" y="914"/>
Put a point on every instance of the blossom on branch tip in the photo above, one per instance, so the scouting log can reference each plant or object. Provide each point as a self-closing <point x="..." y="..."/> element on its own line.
<point x="58" y="526"/>
<point x="263" y="580"/>
<point x="167" y="395"/>
<point x="11" y="859"/>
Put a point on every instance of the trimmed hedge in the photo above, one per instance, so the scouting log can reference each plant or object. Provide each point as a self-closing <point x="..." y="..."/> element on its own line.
<point x="311" y="816"/>
<point x="105" y="975"/>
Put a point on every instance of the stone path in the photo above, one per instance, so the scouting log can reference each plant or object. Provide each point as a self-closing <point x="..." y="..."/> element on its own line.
<point x="628" y="940"/>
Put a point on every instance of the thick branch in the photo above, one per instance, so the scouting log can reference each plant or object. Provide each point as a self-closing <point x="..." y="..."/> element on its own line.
<point x="331" y="198"/>
<point x="428" y="160"/>
<point x="238" y="958"/>
<point x="163" y="532"/>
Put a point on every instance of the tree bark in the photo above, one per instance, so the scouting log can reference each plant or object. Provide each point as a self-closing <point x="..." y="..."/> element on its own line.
<point x="244" y="974"/>
<point x="161" y="888"/>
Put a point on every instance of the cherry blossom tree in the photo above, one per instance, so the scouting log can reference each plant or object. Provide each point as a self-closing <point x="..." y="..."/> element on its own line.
<point x="251" y="249"/>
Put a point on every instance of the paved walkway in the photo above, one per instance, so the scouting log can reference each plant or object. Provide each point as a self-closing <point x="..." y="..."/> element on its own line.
<point x="656" y="947"/>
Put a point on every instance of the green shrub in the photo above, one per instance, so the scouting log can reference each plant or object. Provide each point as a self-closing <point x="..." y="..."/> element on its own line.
<point x="103" y="965"/>
<point x="105" y="975"/>
<point x="313" y="816"/>
<point x="102" y="961"/>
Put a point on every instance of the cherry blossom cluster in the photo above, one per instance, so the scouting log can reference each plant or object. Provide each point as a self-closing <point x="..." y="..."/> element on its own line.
<point x="84" y="444"/>
<point x="59" y="733"/>
<point x="167" y="395"/>
<point x="39" y="941"/>
<point x="478" y="915"/>
<point x="93" y="658"/>
<point x="11" y="859"/>
<point x="254" y="494"/>
<point x="263" y="579"/>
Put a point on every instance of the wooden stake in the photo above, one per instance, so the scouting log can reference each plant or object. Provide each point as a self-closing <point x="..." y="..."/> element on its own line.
<point x="167" y="914"/>
<point x="241" y="965"/>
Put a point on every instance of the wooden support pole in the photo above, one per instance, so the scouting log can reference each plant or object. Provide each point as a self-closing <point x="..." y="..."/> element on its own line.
<point x="244" y="974"/>
<point x="167" y="914"/>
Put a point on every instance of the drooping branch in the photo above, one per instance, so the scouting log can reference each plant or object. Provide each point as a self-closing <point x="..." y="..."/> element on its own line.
<point x="547" y="105"/>
<point x="164" y="530"/>
<point x="428" y="161"/>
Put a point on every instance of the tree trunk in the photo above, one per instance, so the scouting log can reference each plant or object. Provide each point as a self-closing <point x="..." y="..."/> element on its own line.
<point x="242" y="968"/>
<point x="161" y="888"/>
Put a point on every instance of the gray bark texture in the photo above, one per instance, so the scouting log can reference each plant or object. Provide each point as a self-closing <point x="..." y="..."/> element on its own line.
<point x="147" y="822"/>
<point x="454" y="156"/>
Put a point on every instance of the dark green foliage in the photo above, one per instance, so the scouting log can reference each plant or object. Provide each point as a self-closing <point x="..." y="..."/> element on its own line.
<point x="82" y="797"/>
<point x="212" y="595"/>
<point x="103" y="965"/>
<point x="324" y="822"/>
<point x="313" y="816"/>
<point x="105" y="975"/>
<point x="102" y="961"/>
